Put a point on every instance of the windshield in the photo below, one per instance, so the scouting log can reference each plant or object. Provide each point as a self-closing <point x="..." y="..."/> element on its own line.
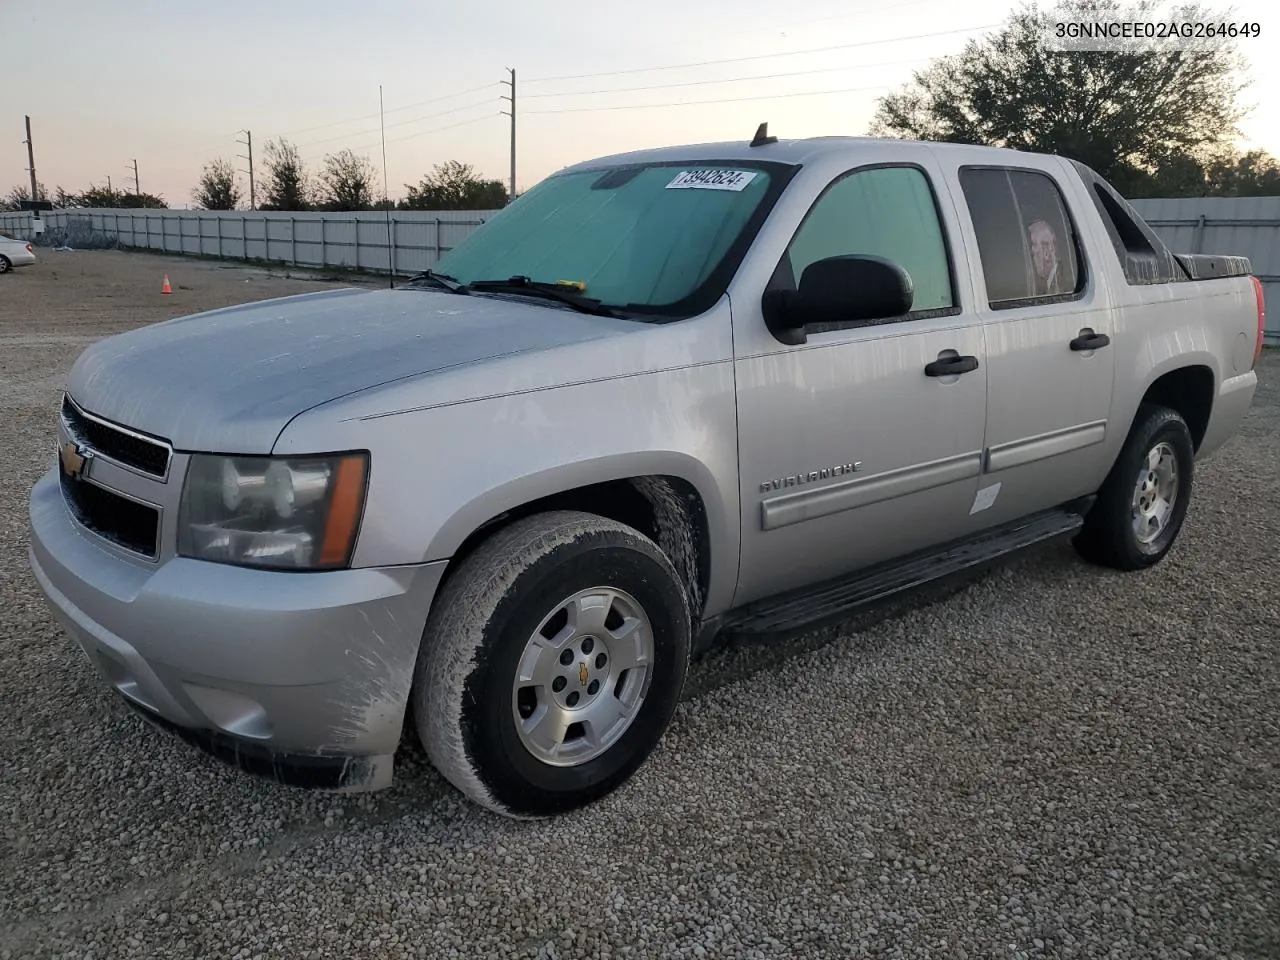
<point x="654" y="238"/>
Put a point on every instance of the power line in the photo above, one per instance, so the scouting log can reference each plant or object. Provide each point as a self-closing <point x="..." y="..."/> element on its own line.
<point x="512" y="115"/>
<point x="31" y="162"/>
<point x="409" y="106"/>
<point x="694" y="103"/>
<point x="386" y="199"/>
<point x="451" y="126"/>
<point x="766" y="56"/>
<point x="699" y="83"/>
<point x="411" y="136"/>
<point x="253" y="195"/>
<point x="401" y="123"/>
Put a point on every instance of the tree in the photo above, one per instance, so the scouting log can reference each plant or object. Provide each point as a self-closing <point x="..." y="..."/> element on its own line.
<point x="455" y="186"/>
<point x="217" y="189"/>
<point x="347" y="182"/>
<point x="1126" y="113"/>
<point x="99" y="197"/>
<point x="14" y="199"/>
<point x="286" y="185"/>
<point x="1252" y="174"/>
<point x="144" y="201"/>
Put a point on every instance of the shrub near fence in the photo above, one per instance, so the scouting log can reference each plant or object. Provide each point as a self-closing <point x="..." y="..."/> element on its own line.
<point x="412" y="241"/>
<point x="78" y="233"/>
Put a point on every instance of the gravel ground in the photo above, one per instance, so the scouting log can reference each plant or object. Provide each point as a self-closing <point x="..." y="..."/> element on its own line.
<point x="1053" y="761"/>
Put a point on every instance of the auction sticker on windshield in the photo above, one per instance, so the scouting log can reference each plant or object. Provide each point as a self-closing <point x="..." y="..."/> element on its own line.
<point x="712" y="180"/>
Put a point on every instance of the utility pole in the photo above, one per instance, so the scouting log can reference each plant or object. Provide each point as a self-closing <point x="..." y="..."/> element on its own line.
<point x="31" y="162"/>
<point x="137" y="187"/>
<point x="110" y="189"/>
<point x="512" y="114"/>
<point x="248" y="142"/>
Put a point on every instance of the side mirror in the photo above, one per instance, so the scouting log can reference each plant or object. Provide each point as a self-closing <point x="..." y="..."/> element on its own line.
<point x="838" y="290"/>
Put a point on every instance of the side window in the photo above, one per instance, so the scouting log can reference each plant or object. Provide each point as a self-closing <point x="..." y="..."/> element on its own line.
<point x="1125" y="233"/>
<point x="1026" y="239"/>
<point x="1142" y="256"/>
<point x="887" y="212"/>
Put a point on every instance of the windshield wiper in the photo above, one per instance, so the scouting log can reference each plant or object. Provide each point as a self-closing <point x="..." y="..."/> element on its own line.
<point x="548" y="291"/>
<point x="442" y="280"/>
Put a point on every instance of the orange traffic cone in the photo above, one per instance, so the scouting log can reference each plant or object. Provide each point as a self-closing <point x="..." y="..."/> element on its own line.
<point x="166" y="288"/>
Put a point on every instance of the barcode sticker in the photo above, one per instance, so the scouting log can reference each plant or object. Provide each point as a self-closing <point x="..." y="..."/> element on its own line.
<point x="713" y="179"/>
<point x="985" y="498"/>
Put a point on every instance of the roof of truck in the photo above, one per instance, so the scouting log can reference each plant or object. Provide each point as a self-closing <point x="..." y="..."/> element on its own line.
<point x="797" y="151"/>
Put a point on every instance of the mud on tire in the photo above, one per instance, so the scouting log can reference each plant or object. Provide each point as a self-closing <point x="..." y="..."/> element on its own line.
<point x="501" y="615"/>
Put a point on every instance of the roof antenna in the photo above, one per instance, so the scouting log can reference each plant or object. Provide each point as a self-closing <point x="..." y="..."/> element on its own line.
<point x="762" y="137"/>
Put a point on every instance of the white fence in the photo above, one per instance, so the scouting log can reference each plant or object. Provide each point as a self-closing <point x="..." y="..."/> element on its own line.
<point x="1243" y="226"/>
<point x="411" y="242"/>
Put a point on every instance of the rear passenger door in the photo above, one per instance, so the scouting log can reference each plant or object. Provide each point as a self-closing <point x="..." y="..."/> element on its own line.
<point x="1048" y="325"/>
<point x="850" y="453"/>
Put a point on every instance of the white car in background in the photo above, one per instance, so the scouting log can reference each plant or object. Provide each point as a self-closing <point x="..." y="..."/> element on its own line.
<point x="14" y="253"/>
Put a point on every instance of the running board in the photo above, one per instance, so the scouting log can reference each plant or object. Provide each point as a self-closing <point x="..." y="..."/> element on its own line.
<point x="837" y="599"/>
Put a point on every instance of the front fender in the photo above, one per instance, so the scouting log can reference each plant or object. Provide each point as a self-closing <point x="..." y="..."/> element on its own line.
<point x="438" y="474"/>
<point x="550" y="480"/>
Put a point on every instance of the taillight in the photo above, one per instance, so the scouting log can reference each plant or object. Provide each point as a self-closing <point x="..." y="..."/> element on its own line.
<point x="29" y="250"/>
<point x="1262" y="318"/>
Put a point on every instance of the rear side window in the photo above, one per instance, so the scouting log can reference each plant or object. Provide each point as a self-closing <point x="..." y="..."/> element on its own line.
<point x="1026" y="241"/>
<point x="887" y="212"/>
<point x="1142" y="256"/>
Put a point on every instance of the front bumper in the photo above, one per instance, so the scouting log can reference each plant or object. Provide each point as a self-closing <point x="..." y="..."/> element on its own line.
<point x="303" y="677"/>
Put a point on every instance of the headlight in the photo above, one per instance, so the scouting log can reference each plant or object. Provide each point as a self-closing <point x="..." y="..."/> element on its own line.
<point x="296" y="513"/>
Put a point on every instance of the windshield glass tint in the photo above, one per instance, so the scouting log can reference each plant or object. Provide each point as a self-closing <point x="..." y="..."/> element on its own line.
<point x="642" y="236"/>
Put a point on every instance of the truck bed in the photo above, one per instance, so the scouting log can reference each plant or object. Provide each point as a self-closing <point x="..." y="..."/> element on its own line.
<point x="1204" y="266"/>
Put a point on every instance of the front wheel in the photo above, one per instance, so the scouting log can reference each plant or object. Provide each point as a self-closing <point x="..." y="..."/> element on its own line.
<point x="552" y="663"/>
<point x="1142" y="503"/>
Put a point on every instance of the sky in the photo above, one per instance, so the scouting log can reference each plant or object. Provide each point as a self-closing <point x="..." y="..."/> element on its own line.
<point x="173" y="84"/>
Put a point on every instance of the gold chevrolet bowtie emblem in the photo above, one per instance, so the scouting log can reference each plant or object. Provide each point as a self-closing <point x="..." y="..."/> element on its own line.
<point x="75" y="460"/>
<point x="582" y="673"/>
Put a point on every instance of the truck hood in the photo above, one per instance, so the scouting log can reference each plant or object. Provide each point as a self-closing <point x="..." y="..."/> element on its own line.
<point x="230" y="380"/>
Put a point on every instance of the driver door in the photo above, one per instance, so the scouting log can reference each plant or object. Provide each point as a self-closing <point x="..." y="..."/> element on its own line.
<point x="849" y="453"/>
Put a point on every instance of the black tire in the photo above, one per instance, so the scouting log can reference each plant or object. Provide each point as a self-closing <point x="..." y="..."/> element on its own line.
<point x="5" y="265"/>
<point x="477" y="633"/>
<point x="1109" y="537"/>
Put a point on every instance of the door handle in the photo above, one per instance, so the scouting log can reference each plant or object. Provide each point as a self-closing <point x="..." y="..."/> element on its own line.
<point x="1090" y="341"/>
<point x="950" y="366"/>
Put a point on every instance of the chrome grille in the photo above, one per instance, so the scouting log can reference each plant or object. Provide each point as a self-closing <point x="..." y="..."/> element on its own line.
<point x="124" y="522"/>
<point x="148" y="455"/>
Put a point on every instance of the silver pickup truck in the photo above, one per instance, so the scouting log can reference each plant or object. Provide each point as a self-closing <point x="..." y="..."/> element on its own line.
<point x="726" y="390"/>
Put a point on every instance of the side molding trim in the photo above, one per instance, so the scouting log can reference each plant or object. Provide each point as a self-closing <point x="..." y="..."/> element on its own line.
<point x="789" y="508"/>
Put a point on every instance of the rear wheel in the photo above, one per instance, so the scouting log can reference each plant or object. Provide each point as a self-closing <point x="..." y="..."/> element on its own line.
<point x="5" y="265"/>
<point x="1142" y="504"/>
<point x="551" y="663"/>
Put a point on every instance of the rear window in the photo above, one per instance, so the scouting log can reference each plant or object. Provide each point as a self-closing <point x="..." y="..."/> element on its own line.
<point x="1026" y="240"/>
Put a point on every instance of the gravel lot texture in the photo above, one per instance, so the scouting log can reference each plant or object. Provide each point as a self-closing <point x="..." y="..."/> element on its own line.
<point x="1055" y="760"/>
